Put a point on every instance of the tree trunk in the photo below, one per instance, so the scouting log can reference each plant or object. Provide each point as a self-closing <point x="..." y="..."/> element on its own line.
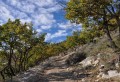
<point x="20" y="63"/>
<point x="118" y="23"/>
<point x="113" y="45"/>
<point x="105" y="24"/>
<point x="11" y="71"/>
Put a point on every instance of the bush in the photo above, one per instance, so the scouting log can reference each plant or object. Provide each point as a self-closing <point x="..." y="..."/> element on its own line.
<point x="75" y="58"/>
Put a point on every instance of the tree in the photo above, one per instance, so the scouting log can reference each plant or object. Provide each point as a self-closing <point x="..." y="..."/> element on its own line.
<point x="17" y="40"/>
<point x="90" y="11"/>
<point x="73" y="40"/>
<point x="113" y="8"/>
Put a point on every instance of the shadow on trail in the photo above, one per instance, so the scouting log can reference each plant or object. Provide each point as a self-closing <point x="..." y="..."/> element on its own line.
<point x="64" y="76"/>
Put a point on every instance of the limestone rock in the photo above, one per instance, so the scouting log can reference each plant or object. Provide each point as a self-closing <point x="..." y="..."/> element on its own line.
<point x="87" y="62"/>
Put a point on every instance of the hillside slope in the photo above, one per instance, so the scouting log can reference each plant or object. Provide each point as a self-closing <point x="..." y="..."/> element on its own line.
<point x="56" y="68"/>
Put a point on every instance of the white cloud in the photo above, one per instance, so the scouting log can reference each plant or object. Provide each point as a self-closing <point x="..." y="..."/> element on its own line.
<point x="50" y="9"/>
<point x="12" y="2"/>
<point x="48" y="37"/>
<point x="5" y="13"/>
<point x="66" y="25"/>
<point x="29" y="8"/>
<point x="59" y="40"/>
<point x="54" y="8"/>
<point x="69" y="25"/>
<point x="39" y="12"/>
<point x="24" y="6"/>
<point x="44" y="19"/>
<point x="60" y="33"/>
<point x="43" y="3"/>
<point x="39" y="30"/>
<point x="26" y="20"/>
<point x="46" y="27"/>
<point x="1" y="22"/>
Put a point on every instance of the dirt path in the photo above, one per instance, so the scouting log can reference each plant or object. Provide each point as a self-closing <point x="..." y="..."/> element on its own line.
<point x="53" y="69"/>
<point x="57" y="71"/>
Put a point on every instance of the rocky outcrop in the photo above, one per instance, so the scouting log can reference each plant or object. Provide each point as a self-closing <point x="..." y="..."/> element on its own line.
<point x="87" y="62"/>
<point x="107" y="74"/>
<point x="90" y="61"/>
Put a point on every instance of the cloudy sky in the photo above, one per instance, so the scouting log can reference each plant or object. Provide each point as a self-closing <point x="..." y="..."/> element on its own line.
<point x="47" y="16"/>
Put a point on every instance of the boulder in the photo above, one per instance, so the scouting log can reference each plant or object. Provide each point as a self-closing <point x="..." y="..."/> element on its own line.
<point x="110" y="74"/>
<point x="88" y="61"/>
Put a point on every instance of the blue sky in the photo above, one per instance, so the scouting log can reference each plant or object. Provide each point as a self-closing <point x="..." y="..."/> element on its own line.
<point x="47" y="16"/>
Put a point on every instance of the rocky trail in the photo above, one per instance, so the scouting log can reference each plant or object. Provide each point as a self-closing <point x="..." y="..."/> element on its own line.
<point x="72" y="67"/>
<point x="53" y="69"/>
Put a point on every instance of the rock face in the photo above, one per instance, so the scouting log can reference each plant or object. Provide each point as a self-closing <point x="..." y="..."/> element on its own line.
<point x="91" y="61"/>
<point x="75" y="58"/>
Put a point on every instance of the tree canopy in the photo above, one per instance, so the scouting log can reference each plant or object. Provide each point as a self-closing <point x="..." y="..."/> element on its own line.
<point x="17" y="40"/>
<point x="100" y="13"/>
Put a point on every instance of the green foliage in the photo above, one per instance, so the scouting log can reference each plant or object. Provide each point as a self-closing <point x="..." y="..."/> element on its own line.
<point x="55" y="48"/>
<point x="17" y="44"/>
<point x="98" y="13"/>
<point x="21" y="47"/>
<point x="86" y="35"/>
<point x="73" y="40"/>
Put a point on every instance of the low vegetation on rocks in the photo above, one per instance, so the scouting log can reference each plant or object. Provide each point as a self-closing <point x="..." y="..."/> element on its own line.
<point x="75" y="58"/>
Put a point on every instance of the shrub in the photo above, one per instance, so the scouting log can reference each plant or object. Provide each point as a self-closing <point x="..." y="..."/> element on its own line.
<point x="75" y="58"/>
